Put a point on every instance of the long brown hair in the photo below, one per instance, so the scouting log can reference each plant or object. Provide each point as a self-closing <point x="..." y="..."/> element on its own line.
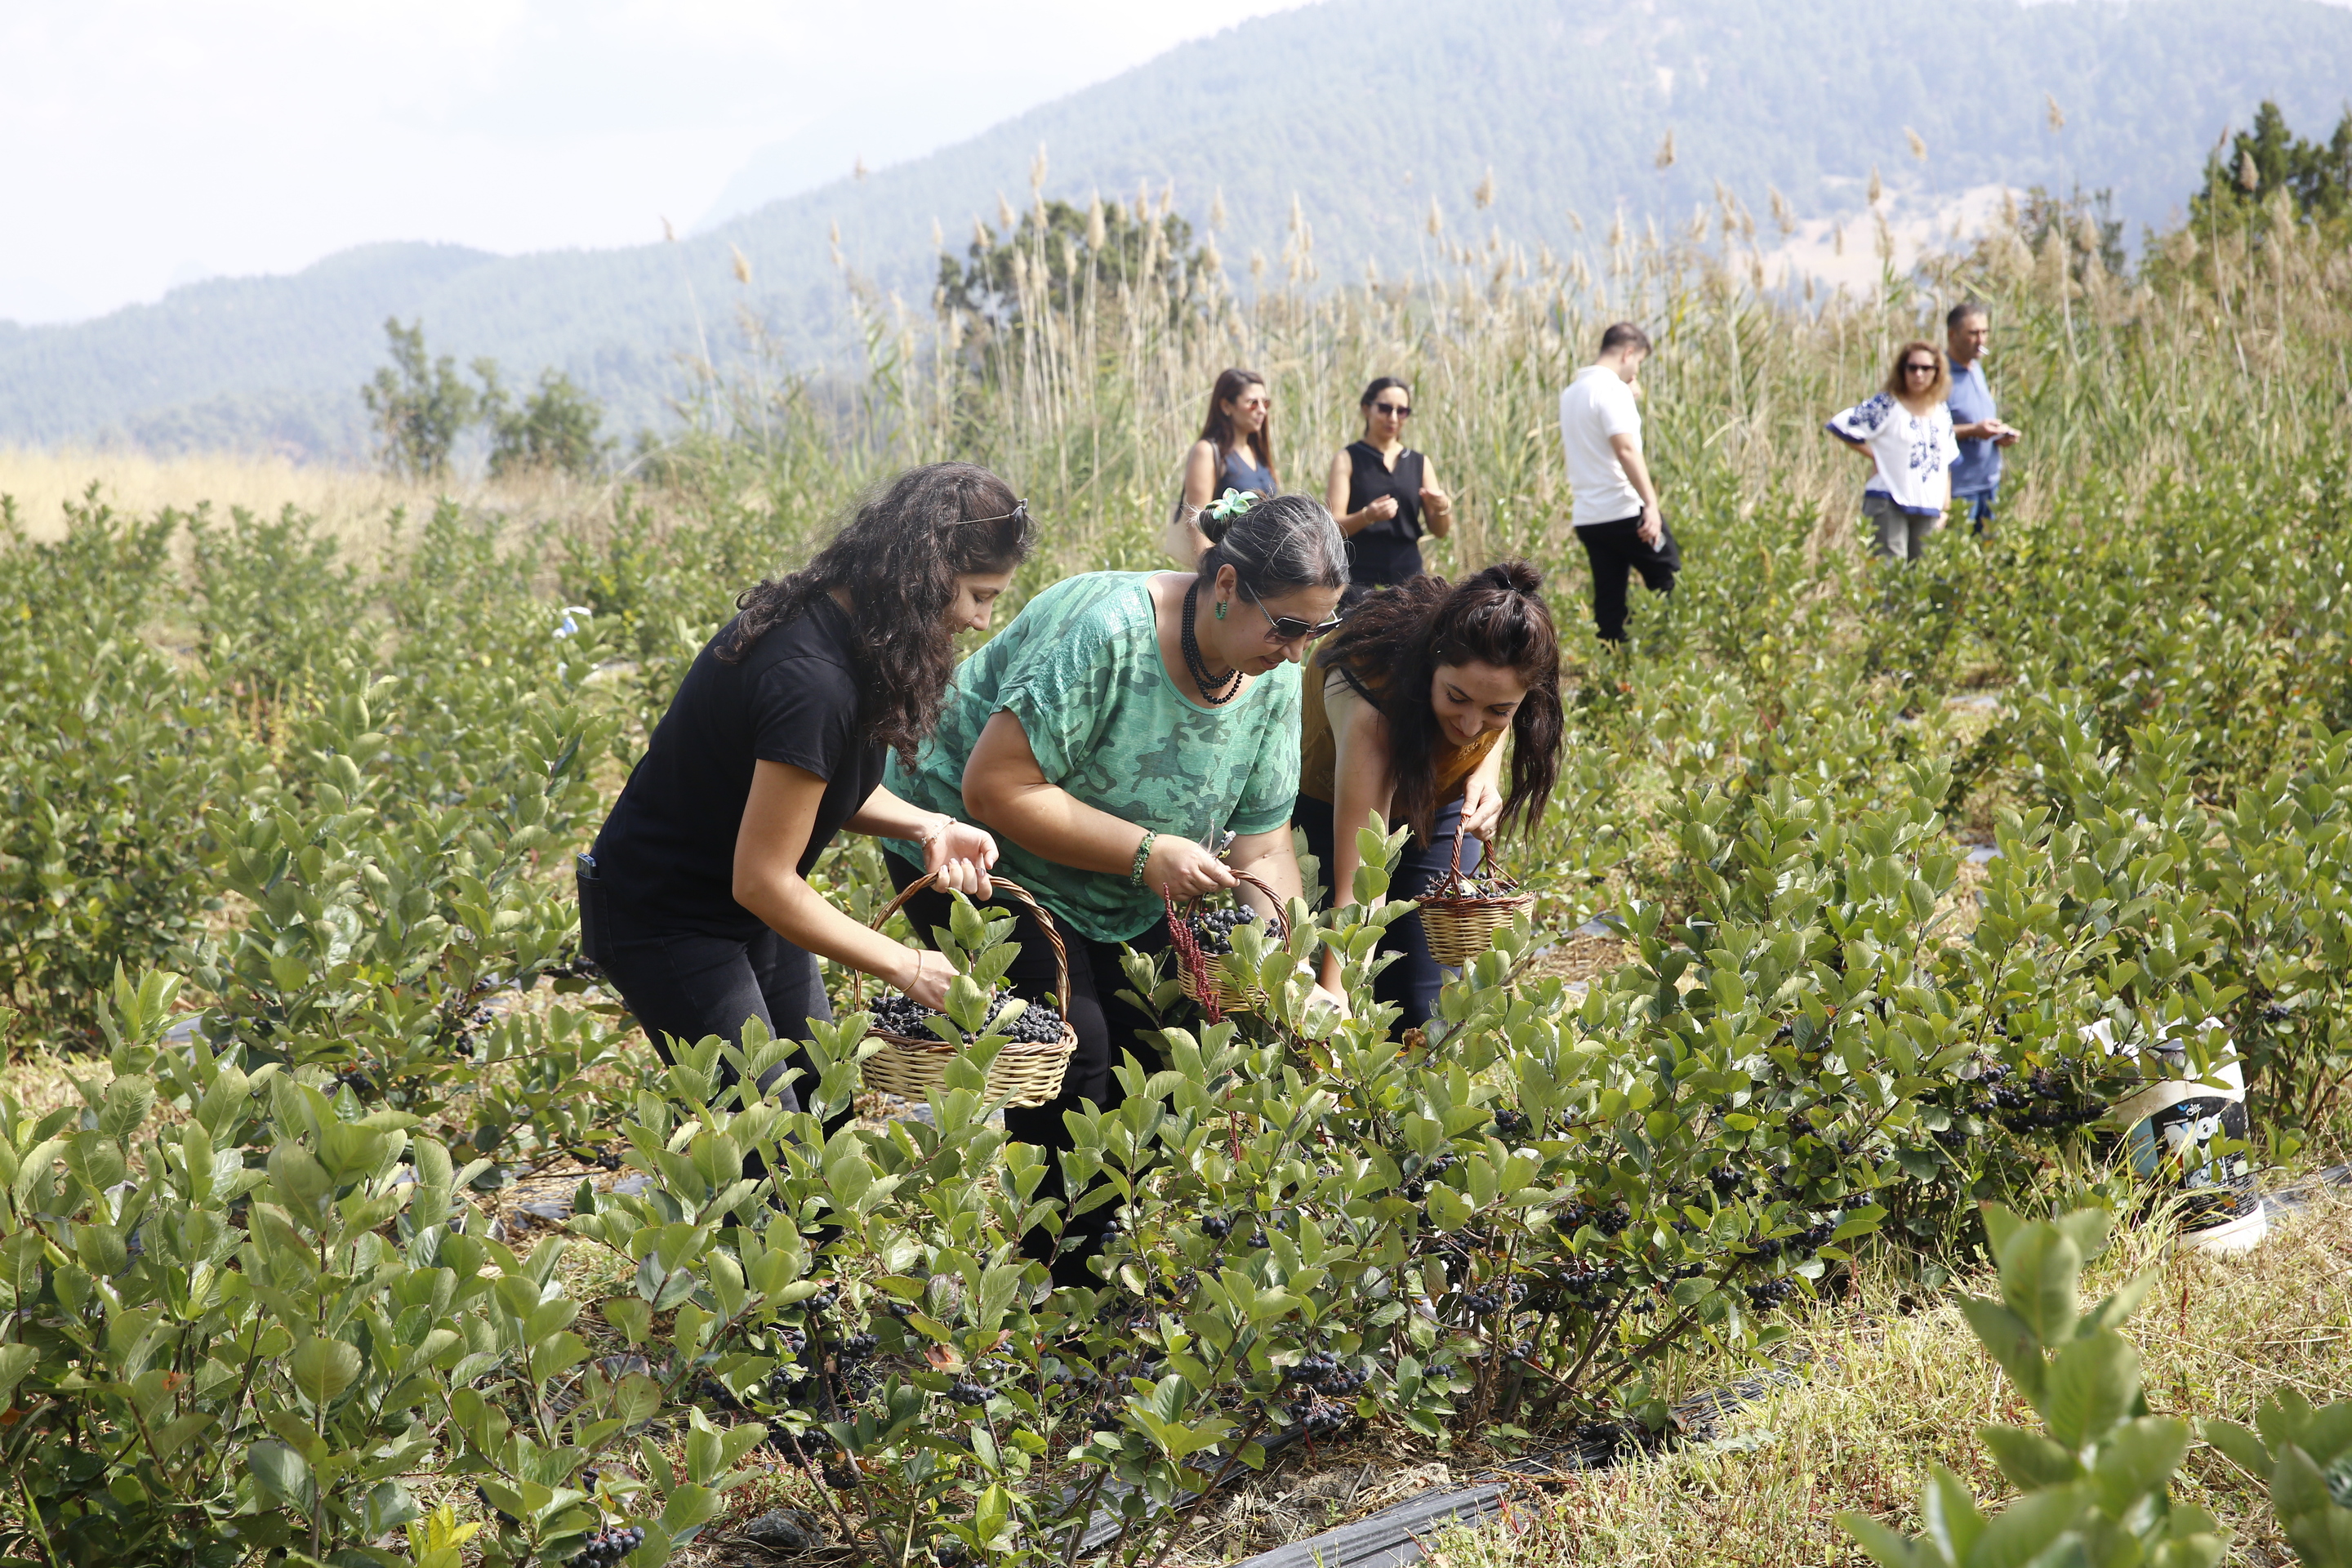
<point x="1218" y="428"/>
<point x="1898" y="383"/>
<point x="1395" y="640"/>
<point x="899" y="554"/>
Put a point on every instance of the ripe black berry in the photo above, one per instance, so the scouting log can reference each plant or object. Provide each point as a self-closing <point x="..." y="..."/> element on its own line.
<point x="1214" y="930"/>
<point x="1039" y="1023"/>
<point x="608" y="1547"/>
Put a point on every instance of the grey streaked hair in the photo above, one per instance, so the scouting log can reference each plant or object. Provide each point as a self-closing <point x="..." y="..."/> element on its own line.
<point x="1278" y="546"/>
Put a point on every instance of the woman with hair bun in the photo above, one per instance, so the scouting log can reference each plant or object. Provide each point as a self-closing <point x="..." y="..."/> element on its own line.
<point x="1405" y="715"/>
<point x="1234" y="452"/>
<point x="1382" y="493"/>
<point x="1116" y="736"/>
<point x="695" y="900"/>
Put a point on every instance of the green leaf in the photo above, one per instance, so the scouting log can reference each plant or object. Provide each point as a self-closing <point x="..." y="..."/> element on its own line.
<point x="2029" y="1459"/>
<point x="2010" y="1342"/>
<point x="323" y="1368"/>
<point x="2038" y="1270"/>
<point x="2138" y="1458"/>
<point x="1888" y="1548"/>
<point x="2000" y="1223"/>
<point x="1950" y="1514"/>
<point x="2092" y="1383"/>
<point x="280" y="1472"/>
<point x="2087" y="1228"/>
<point x="2240" y="1445"/>
<point x="2028" y="1527"/>
<point x="2112" y="1313"/>
<point x="1448" y="1209"/>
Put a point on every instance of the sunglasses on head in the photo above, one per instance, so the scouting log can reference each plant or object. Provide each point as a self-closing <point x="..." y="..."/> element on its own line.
<point x="1290" y="628"/>
<point x="1393" y="410"/>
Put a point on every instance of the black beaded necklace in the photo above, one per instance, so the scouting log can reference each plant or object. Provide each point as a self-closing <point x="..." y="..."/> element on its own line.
<point x="1193" y="662"/>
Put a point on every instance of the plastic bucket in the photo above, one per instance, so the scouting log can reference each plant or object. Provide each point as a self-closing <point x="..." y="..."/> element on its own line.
<point x="2172" y="1121"/>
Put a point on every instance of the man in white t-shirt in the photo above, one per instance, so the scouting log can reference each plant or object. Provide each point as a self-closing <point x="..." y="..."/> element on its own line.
<point x="1616" y="515"/>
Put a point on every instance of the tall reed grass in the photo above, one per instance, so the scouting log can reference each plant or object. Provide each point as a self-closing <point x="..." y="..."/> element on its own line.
<point x="2220" y="348"/>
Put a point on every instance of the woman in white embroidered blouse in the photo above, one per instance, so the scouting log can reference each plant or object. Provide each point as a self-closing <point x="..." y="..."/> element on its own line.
<point x="1905" y="431"/>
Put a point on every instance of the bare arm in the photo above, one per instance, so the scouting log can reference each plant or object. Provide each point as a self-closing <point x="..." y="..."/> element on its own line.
<point x="1004" y="789"/>
<point x="958" y="850"/>
<point x="1436" y="506"/>
<point x="1482" y="796"/>
<point x="1182" y="537"/>
<point x="1637" y="474"/>
<point x="1335" y="495"/>
<point x="1361" y="785"/>
<point x="777" y="818"/>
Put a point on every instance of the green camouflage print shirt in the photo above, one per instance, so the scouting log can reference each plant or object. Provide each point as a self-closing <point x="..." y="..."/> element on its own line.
<point x="1080" y="668"/>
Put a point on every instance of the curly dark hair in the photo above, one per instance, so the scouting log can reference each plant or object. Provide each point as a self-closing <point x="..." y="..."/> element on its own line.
<point x="1394" y="643"/>
<point x="898" y="554"/>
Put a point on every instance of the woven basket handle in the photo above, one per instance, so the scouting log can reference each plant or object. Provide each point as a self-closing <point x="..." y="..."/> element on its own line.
<point x="1019" y="894"/>
<point x="1274" y="918"/>
<point x="1495" y="872"/>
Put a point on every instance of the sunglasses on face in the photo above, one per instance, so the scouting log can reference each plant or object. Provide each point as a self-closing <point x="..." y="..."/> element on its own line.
<point x="1916" y="368"/>
<point x="1290" y="628"/>
<point x="1393" y="410"/>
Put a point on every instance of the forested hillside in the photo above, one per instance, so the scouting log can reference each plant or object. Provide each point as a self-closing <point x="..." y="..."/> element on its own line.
<point x="1366" y="113"/>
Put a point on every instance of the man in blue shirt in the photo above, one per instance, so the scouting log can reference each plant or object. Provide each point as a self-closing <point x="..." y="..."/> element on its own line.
<point x="1976" y="477"/>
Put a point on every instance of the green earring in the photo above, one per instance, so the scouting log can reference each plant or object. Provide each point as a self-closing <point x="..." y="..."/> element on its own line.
<point x="1221" y="609"/>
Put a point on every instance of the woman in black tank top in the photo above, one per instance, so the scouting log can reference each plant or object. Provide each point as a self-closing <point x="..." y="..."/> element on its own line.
<point x="1385" y="495"/>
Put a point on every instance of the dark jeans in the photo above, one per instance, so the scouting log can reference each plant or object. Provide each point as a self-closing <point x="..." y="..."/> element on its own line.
<point x="689" y="983"/>
<point x="1105" y="1027"/>
<point x="1979" y="505"/>
<point x="1615" y="549"/>
<point x="1413" y="981"/>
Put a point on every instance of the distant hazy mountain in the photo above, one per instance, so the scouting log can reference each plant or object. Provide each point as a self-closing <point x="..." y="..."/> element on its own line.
<point x="1366" y="109"/>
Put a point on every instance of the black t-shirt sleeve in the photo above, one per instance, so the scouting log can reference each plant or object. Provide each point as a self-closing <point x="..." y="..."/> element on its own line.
<point x="804" y="713"/>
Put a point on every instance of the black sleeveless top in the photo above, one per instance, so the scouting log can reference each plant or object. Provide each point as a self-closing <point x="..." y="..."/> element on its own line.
<point x="1388" y="551"/>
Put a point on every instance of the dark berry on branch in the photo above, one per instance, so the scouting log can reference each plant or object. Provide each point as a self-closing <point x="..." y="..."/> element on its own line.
<point x="608" y="1547"/>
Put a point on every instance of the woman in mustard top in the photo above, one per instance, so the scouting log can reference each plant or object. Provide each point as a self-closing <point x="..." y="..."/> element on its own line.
<point x="1403" y="715"/>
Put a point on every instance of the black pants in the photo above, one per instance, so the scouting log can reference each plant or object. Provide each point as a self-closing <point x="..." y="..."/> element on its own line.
<point x="1413" y="981"/>
<point x="1105" y="1027"/>
<point x="1616" y="548"/>
<point x="689" y="983"/>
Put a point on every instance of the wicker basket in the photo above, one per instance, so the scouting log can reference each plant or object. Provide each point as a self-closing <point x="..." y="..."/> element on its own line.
<point x="1460" y="923"/>
<point x="1221" y="995"/>
<point x="1024" y="1073"/>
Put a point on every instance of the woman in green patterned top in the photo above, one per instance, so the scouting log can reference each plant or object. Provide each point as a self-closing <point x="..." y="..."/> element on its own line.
<point x="1123" y="721"/>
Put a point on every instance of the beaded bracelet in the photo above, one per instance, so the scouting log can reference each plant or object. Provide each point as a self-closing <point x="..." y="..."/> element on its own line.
<point x="1142" y="854"/>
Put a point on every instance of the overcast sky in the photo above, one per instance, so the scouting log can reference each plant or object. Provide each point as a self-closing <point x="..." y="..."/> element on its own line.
<point x="145" y="143"/>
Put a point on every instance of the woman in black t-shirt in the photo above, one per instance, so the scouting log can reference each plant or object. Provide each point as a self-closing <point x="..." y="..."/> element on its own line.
<point x="694" y="901"/>
<point x="1382" y="493"/>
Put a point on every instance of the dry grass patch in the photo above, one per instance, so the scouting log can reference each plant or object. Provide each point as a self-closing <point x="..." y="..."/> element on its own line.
<point x="1890" y="1389"/>
<point x="353" y="503"/>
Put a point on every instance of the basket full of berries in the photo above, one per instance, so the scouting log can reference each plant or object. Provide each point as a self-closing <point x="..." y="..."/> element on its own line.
<point x="1038" y="1039"/>
<point x="1462" y="913"/>
<point x="1202" y="939"/>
